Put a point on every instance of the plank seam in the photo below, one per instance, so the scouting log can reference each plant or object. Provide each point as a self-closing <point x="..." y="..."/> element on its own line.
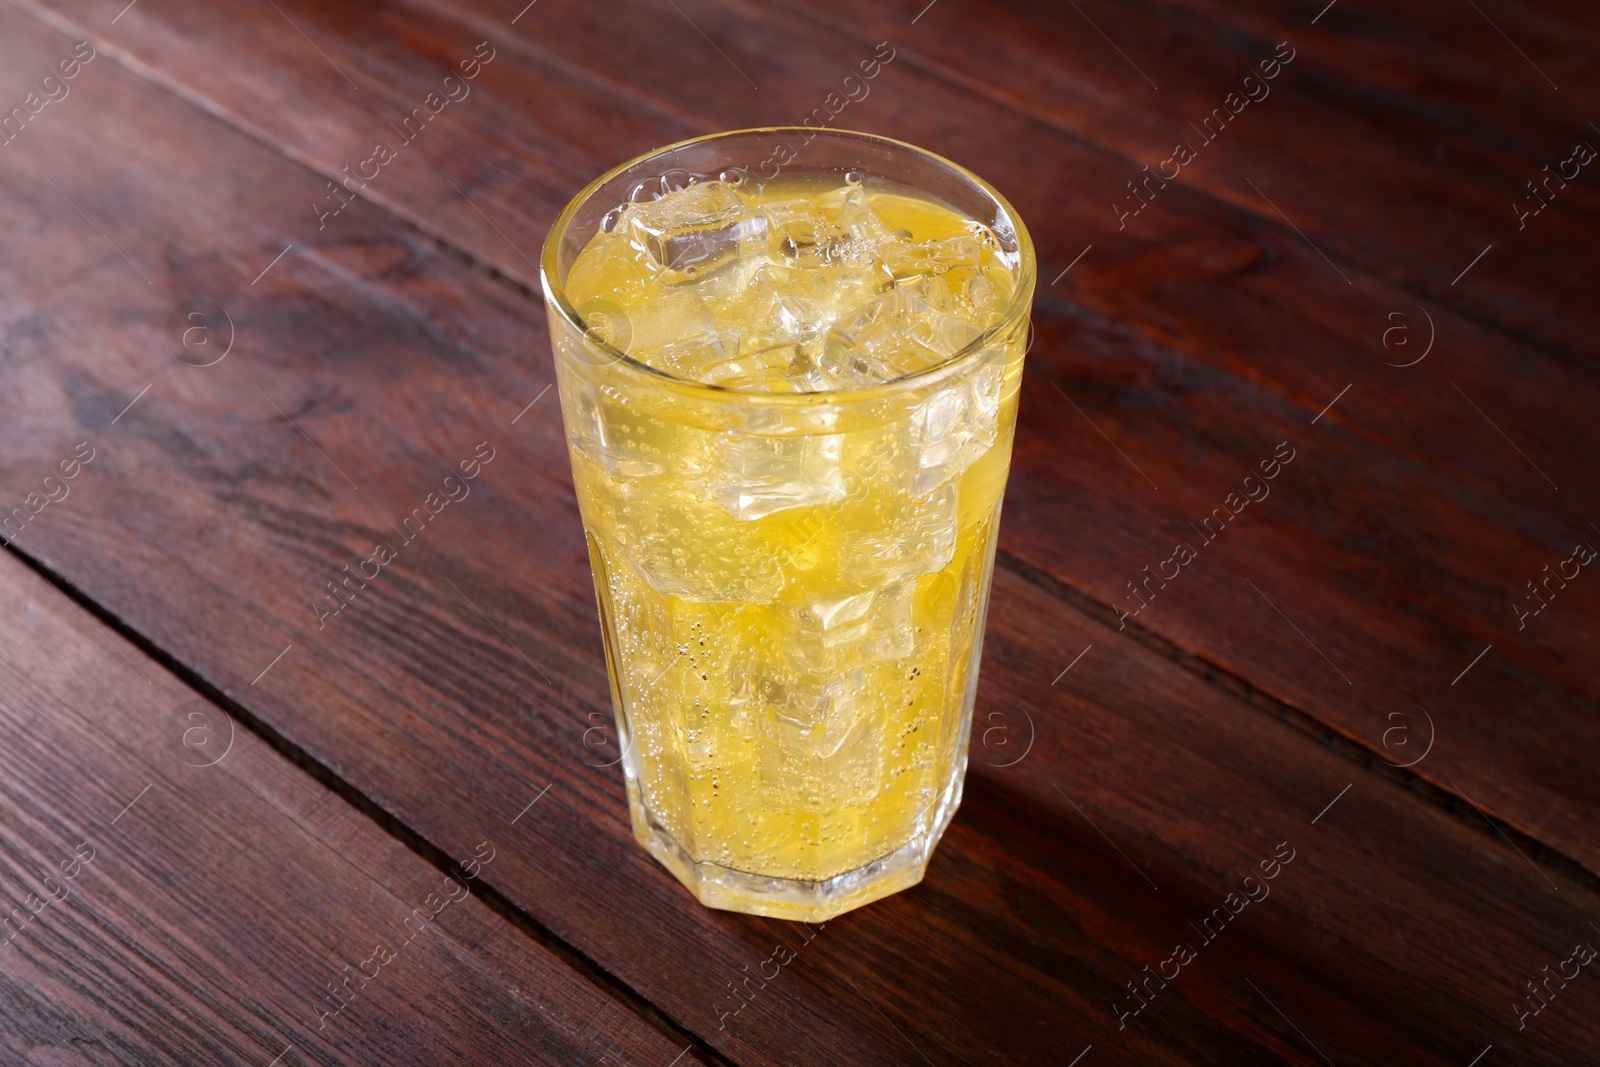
<point x="618" y="990"/>
<point x="1302" y="722"/>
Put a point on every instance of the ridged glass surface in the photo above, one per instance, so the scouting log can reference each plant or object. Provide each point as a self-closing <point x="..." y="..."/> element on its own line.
<point x="793" y="569"/>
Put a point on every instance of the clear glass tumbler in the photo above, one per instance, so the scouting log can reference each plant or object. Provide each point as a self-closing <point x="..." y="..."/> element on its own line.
<point x="792" y="585"/>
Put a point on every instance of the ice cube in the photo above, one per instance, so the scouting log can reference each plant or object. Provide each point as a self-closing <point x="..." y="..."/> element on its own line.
<point x="679" y="333"/>
<point x="704" y="565"/>
<point x="907" y="260"/>
<point x="955" y="426"/>
<point x="692" y="360"/>
<point x="836" y="227"/>
<point x="786" y="303"/>
<point x="796" y="226"/>
<point x="803" y="711"/>
<point x="780" y="306"/>
<point x="963" y="276"/>
<point x="808" y="376"/>
<point x="786" y="709"/>
<point x="607" y="322"/>
<point x="819" y="735"/>
<point x="763" y="370"/>
<point x="796" y="318"/>
<point x="852" y="744"/>
<point x="944" y="334"/>
<point x="671" y="318"/>
<point x="836" y="622"/>
<point x="977" y="295"/>
<point x="801" y="701"/>
<point x="756" y="475"/>
<point x="874" y="625"/>
<point x="693" y="231"/>
<point x="942" y="426"/>
<point x="903" y="535"/>
<point x="607" y="425"/>
<point x="895" y="335"/>
<point x="844" y="747"/>
<point x="746" y="686"/>
<point x="853" y="212"/>
<point x="889" y="631"/>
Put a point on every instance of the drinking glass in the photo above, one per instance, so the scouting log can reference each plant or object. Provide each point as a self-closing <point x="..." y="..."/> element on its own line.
<point x="792" y="585"/>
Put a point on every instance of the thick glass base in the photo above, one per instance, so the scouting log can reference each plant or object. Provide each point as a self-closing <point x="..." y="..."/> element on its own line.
<point x="716" y="886"/>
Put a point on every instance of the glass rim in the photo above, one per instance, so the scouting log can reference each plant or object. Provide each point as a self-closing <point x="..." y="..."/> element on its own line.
<point x="1021" y="297"/>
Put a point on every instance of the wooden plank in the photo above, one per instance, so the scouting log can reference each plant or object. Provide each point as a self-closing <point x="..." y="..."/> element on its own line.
<point x="1187" y="779"/>
<point x="208" y="522"/>
<point x="1210" y="282"/>
<point x="1204" y="280"/>
<point x="176" y="891"/>
<point x="1399" y="141"/>
<point x="1201" y="270"/>
<point x="1360" y="588"/>
<point x="1206" y="290"/>
<point x="1510" y="72"/>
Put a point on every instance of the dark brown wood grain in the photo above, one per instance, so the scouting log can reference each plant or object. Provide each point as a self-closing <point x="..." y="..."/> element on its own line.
<point x="1397" y="140"/>
<point x="1193" y="336"/>
<point x="174" y="891"/>
<point x="1246" y="296"/>
<point x="1508" y="72"/>
<point x="459" y="688"/>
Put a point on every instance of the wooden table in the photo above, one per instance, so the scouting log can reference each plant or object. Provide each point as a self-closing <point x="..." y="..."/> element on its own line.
<point x="1322" y="794"/>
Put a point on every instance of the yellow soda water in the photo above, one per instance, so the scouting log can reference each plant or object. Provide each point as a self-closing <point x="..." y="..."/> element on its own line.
<point x="791" y="508"/>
